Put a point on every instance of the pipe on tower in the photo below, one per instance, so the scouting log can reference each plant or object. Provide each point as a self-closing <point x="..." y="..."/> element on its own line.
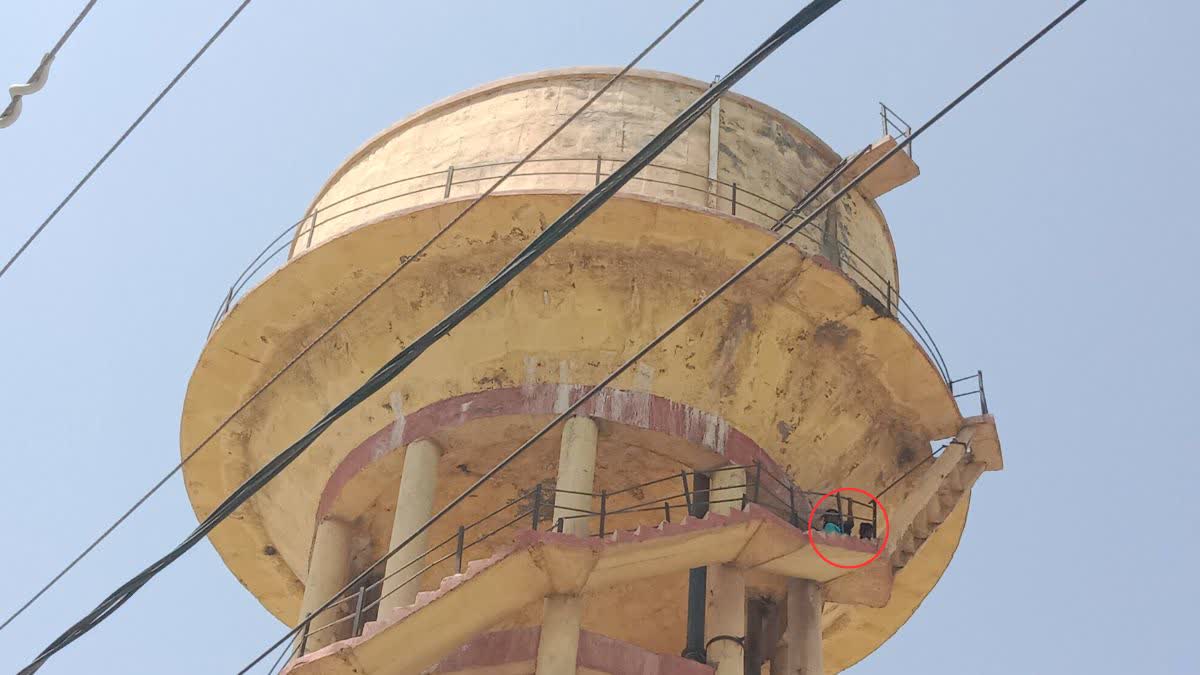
<point x="697" y="579"/>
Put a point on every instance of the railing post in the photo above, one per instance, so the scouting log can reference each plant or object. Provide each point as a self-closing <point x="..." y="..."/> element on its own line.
<point x="312" y="228"/>
<point x="458" y="551"/>
<point x="874" y="516"/>
<point x="358" y="611"/>
<point x="449" y="181"/>
<point x="982" y="396"/>
<point x="603" y="510"/>
<point x="304" y="636"/>
<point x="795" y="519"/>
<point x="757" y="481"/>
<point x="599" y="159"/>
<point x="559" y="525"/>
<point x="733" y="199"/>
<point x="883" y="117"/>
<point x="537" y="505"/>
<point x="667" y="510"/>
<point x="687" y="493"/>
<point x="889" y="296"/>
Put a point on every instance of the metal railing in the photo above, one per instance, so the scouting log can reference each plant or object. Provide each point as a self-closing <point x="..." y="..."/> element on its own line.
<point x="978" y="390"/>
<point x="894" y="123"/>
<point x="725" y="195"/>
<point x="616" y="510"/>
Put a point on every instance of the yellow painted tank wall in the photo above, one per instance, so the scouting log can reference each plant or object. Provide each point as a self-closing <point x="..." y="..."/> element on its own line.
<point x="772" y="159"/>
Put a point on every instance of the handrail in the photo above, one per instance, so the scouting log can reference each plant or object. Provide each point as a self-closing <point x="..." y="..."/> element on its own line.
<point x="532" y="503"/>
<point x="978" y="377"/>
<point x="892" y="121"/>
<point x="739" y="201"/>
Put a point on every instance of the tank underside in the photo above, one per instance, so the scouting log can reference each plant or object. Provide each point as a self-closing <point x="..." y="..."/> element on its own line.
<point x="795" y="366"/>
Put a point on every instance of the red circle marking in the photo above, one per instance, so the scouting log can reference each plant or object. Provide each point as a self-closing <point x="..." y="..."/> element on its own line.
<point x="887" y="527"/>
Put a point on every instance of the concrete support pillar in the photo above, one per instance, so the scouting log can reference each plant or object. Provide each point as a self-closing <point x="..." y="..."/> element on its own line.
<point x="328" y="572"/>
<point x="414" y="505"/>
<point x="799" y="651"/>
<point x="576" y="473"/>
<point x="725" y="618"/>
<point x="558" y="647"/>
<point x="728" y="487"/>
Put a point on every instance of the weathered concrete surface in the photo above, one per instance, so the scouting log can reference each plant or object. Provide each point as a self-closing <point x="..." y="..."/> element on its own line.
<point x="328" y="572"/>
<point x="414" y="506"/>
<point x="511" y="652"/>
<point x="893" y="173"/>
<point x="790" y="358"/>
<point x="415" y="637"/>
<point x="851" y="633"/>
<point x="558" y="647"/>
<point x="763" y="151"/>
<point x="799" y="651"/>
<point x="985" y="446"/>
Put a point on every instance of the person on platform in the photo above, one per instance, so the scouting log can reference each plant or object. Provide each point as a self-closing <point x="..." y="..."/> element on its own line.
<point x="832" y="522"/>
<point x="866" y="530"/>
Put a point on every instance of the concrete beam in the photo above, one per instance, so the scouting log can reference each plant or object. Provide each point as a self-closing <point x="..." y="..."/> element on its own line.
<point x="870" y="586"/>
<point x="892" y="174"/>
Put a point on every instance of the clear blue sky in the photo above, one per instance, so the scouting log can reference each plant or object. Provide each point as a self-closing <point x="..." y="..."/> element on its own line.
<point x="1050" y="241"/>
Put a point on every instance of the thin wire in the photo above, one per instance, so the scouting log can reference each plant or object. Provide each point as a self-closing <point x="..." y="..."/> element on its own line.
<point x="911" y="469"/>
<point x="38" y="231"/>
<point x="282" y="655"/>
<point x="353" y="308"/>
<point x="571" y="409"/>
<point x="38" y="80"/>
<point x="71" y="29"/>
<point x="564" y="224"/>
<point x="805" y="201"/>
<point x="104" y="158"/>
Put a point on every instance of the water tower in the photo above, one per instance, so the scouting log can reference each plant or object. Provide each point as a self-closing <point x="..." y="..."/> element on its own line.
<point x="664" y="529"/>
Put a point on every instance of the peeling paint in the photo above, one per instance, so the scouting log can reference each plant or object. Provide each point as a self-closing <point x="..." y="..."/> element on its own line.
<point x="563" y="399"/>
<point x="397" y="435"/>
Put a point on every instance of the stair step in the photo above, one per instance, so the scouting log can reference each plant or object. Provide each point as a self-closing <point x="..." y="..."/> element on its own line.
<point x="955" y="479"/>
<point x="935" y="513"/>
<point x="948" y="500"/>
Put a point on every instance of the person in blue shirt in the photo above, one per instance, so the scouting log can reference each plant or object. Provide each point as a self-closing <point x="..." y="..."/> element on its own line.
<point x="832" y="522"/>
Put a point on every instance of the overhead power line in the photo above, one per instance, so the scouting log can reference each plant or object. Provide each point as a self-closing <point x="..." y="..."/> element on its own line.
<point x="407" y="260"/>
<point x="562" y="226"/>
<point x="121" y="139"/>
<point x="804" y="202"/>
<point x="707" y="299"/>
<point x="565" y="223"/>
<point x="40" y="74"/>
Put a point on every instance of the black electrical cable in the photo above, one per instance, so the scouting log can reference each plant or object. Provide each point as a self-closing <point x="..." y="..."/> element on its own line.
<point x="567" y="222"/>
<point x="121" y="139"/>
<point x="571" y="409"/>
<point x="405" y="262"/>
<point x="803" y="203"/>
